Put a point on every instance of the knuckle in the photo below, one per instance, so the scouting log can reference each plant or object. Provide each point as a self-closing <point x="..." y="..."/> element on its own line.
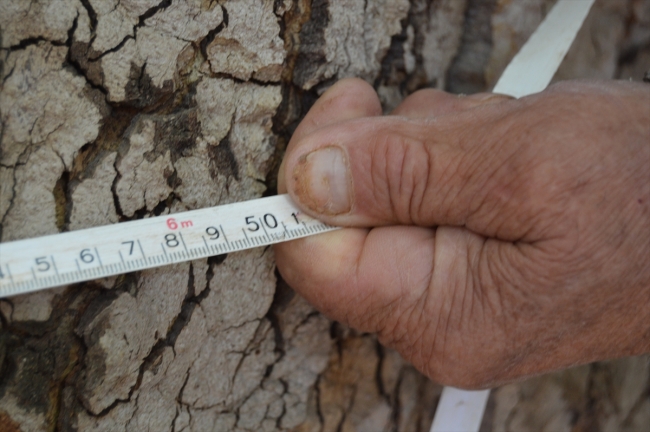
<point x="400" y="169"/>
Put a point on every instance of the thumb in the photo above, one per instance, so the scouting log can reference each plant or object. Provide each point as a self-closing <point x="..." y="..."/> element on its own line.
<point x="394" y="170"/>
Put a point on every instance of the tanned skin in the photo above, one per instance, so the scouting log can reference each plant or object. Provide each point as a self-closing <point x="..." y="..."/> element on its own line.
<point x="487" y="239"/>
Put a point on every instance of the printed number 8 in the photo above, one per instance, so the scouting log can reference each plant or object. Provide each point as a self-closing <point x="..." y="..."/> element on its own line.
<point x="171" y="241"/>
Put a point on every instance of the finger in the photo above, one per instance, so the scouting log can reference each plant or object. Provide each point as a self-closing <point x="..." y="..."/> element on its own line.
<point x="362" y="277"/>
<point x="348" y="99"/>
<point x="460" y="170"/>
<point x="430" y="103"/>
<point x="345" y="100"/>
<point x="416" y="287"/>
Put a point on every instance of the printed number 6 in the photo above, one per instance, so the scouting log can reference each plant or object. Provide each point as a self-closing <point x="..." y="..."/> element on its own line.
<point x="86" y="256"/>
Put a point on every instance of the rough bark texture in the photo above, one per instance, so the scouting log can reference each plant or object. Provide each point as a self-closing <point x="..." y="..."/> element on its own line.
<point x="118" y="110"/>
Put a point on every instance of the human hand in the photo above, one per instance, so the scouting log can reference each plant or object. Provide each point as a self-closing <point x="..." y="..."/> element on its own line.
<point x="511" y="237"/>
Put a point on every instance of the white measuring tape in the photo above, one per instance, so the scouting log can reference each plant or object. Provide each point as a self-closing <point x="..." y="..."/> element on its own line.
<point x="77" y="256"/>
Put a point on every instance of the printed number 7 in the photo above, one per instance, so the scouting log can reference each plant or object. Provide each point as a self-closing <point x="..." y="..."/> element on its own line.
<point x="130" y="247"/>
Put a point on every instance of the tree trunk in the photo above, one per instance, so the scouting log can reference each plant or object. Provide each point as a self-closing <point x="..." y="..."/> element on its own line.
<point x="114" y="111"/>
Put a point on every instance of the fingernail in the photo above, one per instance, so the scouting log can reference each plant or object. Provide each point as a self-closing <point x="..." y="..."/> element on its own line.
<point x="322" y="181"/>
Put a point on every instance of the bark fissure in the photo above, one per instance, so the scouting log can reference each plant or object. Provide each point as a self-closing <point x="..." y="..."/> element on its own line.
<point x="141" y="22"/>
<point x="207" y="40"/>
<point x="92" y="15"/>
<point x="23" y="44"/>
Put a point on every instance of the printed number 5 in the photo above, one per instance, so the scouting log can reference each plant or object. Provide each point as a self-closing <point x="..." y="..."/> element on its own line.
<point x="253" y="223"/>
<point x="43" y="264"/>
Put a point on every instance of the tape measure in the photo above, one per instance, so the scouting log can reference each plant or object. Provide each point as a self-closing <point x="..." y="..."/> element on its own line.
<point x="77" y="256"/>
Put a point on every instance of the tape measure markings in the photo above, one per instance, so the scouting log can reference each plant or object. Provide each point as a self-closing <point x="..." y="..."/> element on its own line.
<point x="105" y="251"/>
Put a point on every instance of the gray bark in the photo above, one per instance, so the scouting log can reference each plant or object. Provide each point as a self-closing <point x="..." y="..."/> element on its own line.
<point x="113" y="111"/>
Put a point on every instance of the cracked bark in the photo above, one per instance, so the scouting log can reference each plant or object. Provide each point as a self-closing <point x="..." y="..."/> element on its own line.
<point x="114" y="111"/>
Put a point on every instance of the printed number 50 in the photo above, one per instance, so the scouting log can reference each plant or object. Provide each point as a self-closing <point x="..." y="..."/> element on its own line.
<point x="269" y="220"/>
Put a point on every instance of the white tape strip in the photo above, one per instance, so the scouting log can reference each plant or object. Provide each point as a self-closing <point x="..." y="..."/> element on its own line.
<point x="533" y="67"/>
<point x="76" y="256"/>
<point x="460" y="410"/>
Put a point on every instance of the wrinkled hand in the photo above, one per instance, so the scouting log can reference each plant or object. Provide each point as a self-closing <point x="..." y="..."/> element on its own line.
<point x="511" y="237"/>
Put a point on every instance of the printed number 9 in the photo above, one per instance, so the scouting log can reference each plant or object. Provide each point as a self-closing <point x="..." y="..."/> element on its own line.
<point x="213" y="232"/>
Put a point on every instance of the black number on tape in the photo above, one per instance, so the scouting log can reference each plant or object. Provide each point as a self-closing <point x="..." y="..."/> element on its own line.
<point x="131" y="242"/>
<point x="213" y="232"/>
<point x="171" y="241"/>
<point x="42" y="264"/>
<point x="86" y="256"/>
<point x="270" y="221"/>
<point x="249" y="221"/>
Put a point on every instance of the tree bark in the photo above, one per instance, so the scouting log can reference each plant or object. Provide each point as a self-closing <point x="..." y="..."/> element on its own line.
<point x="113" y="111"/>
